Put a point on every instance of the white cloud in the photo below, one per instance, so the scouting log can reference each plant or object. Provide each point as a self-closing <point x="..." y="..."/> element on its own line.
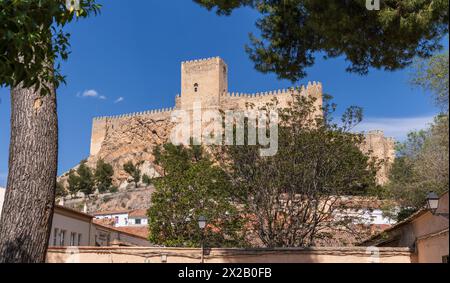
<point x="120" y="99"/>
<point x="397" y="128"/>
<point x="91" y="93"/>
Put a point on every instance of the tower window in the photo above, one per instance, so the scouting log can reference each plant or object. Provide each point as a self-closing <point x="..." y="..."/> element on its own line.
<point x="195" y="87"/>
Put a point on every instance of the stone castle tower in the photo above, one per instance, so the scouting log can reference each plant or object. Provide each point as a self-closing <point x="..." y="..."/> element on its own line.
<point x="204" y="81"/>
<point x="119" y="139"/>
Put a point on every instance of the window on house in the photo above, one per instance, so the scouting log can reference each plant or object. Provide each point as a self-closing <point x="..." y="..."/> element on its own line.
<point x="55" y="237"/>
<point x="62" y="238"/>
<point x="116" y="220"/>
<point x="445" y="259"/>
<point x="79" y="239"/>
<point x="138" y="221"/>
<point x="126" y="221"/>
<point x="195" y="87"/>
<point x="72" y="239"/>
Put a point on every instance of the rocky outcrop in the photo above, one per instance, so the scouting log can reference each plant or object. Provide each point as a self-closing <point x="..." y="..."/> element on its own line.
<point x="132" y="139"/>
<point x="130" y="199"/>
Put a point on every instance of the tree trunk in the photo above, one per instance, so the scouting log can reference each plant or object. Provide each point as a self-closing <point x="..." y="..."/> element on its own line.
<point x="27" y="215"/>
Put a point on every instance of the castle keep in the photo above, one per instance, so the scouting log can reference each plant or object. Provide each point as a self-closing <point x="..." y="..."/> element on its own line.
<point x="119" y="139"/>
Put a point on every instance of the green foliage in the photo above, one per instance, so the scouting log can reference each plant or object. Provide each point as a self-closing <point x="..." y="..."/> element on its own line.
<point x="133" y="171"/>
<point x="421" y="166"/>
<point x="86" y="179"/>
<point x="73" y="181"/>
<point x="146" y="179"/>
<point x="32" y="40"/>
<point x="114" y="189"/>
<point x="293" y="32"/>
<point x="192" y="187"/>
<point x="314" y="165"/>
<point x="60" y="190"/>
<point x="432" y="75"/>
<point x="81" y="180"/>
<point x="404" y="213"/>
<point x="103" y="176"/>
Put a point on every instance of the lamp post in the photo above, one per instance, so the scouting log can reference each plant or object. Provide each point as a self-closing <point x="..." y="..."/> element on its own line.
<point x="202" y="225"/>
<point x="433" y="204"/>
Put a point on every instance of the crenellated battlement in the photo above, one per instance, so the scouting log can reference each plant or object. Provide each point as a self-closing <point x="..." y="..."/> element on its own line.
<point x="279" y="92"/>
<point x="200" y="60"/>
<point x="136" y="114"/>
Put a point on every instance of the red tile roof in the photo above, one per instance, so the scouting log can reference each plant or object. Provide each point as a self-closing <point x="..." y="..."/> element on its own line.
<point x="138" y="231"/>
<point x="126" y="230"/>
<point x="111" y="212"/>
<point x="138" y="213"/>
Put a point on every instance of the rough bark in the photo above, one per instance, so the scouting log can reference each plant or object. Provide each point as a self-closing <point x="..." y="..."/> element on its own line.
<point x="29" y="201"/>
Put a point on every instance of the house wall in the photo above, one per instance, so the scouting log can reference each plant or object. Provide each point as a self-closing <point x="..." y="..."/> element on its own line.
<point x="69" y="224"/>
<point x="132" y="221"/>
<point x="104" y="236"/>
<point x="425" y="232"/>
<point x="122" y="218"/>
<point x="433" y="249"/>
<point x="431" y="232"/>
<point x="183" y="255"/>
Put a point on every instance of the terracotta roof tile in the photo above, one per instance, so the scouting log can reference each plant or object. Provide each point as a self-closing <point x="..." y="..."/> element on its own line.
<point x="98" y="213"/>
<point x="138" y="213"/>
<point x="138" y="231"/>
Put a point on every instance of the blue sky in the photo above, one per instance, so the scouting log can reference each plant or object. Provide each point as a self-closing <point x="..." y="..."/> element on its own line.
<point x="128" y="60"/>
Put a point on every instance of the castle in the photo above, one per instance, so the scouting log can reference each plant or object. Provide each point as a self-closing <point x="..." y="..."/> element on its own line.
<point x="119" y="139"/>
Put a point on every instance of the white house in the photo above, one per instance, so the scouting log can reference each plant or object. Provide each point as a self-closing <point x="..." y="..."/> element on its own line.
<point x="138" y="218"/>
<point x="71" y="228"/>
<point x="120" y="217"/>
<point x="124" y="218"/>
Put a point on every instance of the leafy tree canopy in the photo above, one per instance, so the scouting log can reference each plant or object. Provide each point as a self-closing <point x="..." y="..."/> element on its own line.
<point x="294" y="32"/>
<point x="81" y="180"/>
<point x="32" y="39"/>
<point x="103" y="176"/>
<point x="192" y="187"/>
<point x="133" y="171"/>
<point x="421" y="166"/>
<point x="432" y="75"/>
<point x="291" y="197"/>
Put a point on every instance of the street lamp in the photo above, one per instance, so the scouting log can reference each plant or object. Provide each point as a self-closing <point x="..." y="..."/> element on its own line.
<point x="433" y="204"/>
<point x="202" y="222"/>
<point x="202" y="225"/>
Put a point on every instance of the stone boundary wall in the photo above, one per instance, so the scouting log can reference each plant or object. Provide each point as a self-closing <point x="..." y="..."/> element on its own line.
<point x="185" y="255"/>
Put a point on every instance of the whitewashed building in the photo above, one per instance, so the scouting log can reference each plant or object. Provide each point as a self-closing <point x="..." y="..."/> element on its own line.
<point x="123" y="218"/>
<point x="71" y="228"/>
<point x="138" y="218"/>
